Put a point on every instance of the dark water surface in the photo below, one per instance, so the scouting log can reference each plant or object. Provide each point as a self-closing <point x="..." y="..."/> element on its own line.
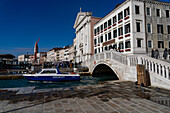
<point x="85" y="80"/>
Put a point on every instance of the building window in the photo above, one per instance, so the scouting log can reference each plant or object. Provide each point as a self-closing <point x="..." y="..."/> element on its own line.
<point x="149" y="44"/>
<point x="95" y="51"/>
<point x="101" y="39"/>
<point x="105" y="37"/>
<point x="168" y="28"/>
<point x="110" y="47"/>
<point x="98" y="50"/>
<point x="169" y="44"/>
<point x="98" y="40"/>
<point x="94" y="31"/>
<point x="139" y="42"/>
<point x="114" y="19"/>
<point x="95" y="41"/>
<point x="121" y="46"/>
<point x="120" y="31"/>
<point x="127" y="44"/>
<point x="98" y="30"/>
<point x="105" y="48"/>
<point x="158" y="13"/>
<point x="137" y="26"/>
<point x="115" y="33"/>
<point x="160" y="44"/>
<point x="137" y="9"/>
<point x="167" y="13"/>
<point x="101" y="27"/>
<point x="149" y="27"/>
<point x="148" y="11"/>
<point x="160" y="28"/>
<point x="126" y="12"/>
<point x="109" y="22"/>
<point x="120" y="16"/>
<point x="109" y="35"/>
<point x="115" y="46"/>
<point x="127" y="28"/>
<point x="105" y="25"/>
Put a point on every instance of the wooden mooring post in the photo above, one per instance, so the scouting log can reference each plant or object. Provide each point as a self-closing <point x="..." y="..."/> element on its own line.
<point x="143" y="75"/>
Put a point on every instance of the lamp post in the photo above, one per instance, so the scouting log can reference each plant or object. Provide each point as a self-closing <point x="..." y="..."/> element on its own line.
<point x="75" y="69"/>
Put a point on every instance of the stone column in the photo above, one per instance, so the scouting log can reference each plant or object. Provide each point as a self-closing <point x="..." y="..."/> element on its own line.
<point x="159" y="69"/>
<point x="152" y="66"/>
<point x="163" y="71"/>
<point x="146" y="64"/>
<point x="167" y="72"/>
<point x="155" y="68"/>
<point x="139" y="60"/>
<point x="149" y="65"/>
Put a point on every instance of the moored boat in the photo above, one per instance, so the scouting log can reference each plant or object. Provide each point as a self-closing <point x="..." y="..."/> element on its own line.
<point x="52" y="74"/>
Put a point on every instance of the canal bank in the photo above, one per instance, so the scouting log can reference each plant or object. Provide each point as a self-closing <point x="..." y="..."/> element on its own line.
<point x="105" y="97"/>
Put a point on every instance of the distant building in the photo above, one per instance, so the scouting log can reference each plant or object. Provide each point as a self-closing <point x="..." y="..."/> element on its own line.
<point x="42" y="57"/>
<point x="23" y="59"/>
<point x="31" y="59"/>
<point x="6" y="61"/>
<point x="52" y="55"/>
<point x="84" y="35"/>
<point x="71" y="53"/>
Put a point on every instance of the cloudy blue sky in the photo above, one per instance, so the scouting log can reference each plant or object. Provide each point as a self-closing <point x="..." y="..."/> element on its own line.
<point x="22" y="22"/>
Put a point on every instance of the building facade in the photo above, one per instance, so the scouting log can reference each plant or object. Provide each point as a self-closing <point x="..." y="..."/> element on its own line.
<point x="52" y="55"/>
<point x="157" y="25"/>
<point x="133" y="27"/>
<point x="84" y="35"/>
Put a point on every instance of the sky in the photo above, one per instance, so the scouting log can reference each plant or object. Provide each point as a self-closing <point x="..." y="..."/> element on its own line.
<point x="23" y="22"/>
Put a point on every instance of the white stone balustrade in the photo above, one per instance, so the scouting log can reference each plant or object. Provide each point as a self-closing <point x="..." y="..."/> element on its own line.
<point x="158" y="69"/>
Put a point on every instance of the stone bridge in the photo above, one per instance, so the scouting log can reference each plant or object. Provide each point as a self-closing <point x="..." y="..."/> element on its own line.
<point x="124" y="67"/>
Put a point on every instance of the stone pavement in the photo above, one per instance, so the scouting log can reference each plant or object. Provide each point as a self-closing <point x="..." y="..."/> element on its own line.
<point x="107" y="97"/>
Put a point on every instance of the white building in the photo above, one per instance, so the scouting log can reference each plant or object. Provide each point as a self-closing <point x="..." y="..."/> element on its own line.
<point x="23" y="59"/>
<point x="72" y="52"/>
<point x="52" y="55"/>
<point x="84" y="35"/>
<point x="133" y="27"/>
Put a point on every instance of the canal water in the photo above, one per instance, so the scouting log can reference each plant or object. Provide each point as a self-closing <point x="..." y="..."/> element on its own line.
<point x="85" y="80"/>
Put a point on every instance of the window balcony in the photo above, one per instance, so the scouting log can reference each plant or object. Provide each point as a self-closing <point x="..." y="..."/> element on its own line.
<point x="109" y="27"/>
<point x="121" y="37"/>
<point x="101" y="32"/>
<point x="105" y="29"/>
<point x="98" y="45"/>
<point x="121" y="50"/>
<point x="127" y="35"/>
<point x="120" y="21"/>
<point x="127" y="50"/>
<point x="114" y="24"/>
<point x="126" y="17"/>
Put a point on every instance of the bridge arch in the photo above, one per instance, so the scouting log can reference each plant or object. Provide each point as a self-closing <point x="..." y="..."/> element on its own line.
<point x="105" y="68"/>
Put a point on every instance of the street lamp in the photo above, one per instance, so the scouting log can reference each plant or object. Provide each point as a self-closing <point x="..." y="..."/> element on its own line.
<point x="75" y="69"/>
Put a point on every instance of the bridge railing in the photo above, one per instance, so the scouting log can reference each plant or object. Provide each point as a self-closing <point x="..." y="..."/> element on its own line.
<point x="158" y="67"/>
<point x="112" y="55"/>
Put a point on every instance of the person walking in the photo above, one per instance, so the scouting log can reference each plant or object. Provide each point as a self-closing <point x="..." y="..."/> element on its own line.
<point x="169" y="53"/>
<point x="165" y="54"/>
<point x="152" y="53"/>
<point x="156" y="53"/>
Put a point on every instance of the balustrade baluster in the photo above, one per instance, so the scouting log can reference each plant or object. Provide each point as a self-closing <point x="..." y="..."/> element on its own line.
<point x="159" y="70"/>
<point x="163" y="71"/>
<point x="167" y="73"/>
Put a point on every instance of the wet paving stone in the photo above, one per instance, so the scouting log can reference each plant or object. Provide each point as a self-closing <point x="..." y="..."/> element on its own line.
<point x="107" y="97"/>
